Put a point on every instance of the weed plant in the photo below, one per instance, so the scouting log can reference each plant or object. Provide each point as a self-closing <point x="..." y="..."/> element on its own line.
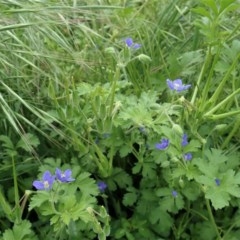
<point x="119" y="119"/>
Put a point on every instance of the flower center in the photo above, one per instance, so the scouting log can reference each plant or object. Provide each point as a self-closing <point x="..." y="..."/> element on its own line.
<point x="46" y="184"/>
<point x="177" y="86"/>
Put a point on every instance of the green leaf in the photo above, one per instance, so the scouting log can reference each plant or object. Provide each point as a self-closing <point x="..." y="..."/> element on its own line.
<point x="149" y="170"/>
<point x="221" y="194"/>
<point x="28" y="141"/>
<point x="87" y="185"/>
<point x="202" y="11"/>
<point x="225" y="4"/>
<point x="125" y="150"/>
<point x="203" y="230"/>
<point x="191" y="190"/>
<point x="121" y="178"/>
<point x="38" y="199"/>
<point x="212" y="5"/>
<point x="20" y="231"/>
<point x="193" y="146"/>
<point x="219" y="199"/>
<point x="129" y="199"/>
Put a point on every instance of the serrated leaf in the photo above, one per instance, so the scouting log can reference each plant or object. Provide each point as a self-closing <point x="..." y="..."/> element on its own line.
<point x="87" y="185"/>
<point x="19" y="231"/>
<point x="38" y="199"/>
<point x="129" y="199"/>
<point x="137" y="168"/>
<point x="191" y="190"/>
<point x="149" y="170"/>
<point x="121" y="178"/>
<point x="28" y="141"/>
<point x="125" y="150"/>
<point x="219" y="199"/>
<point x="6" y="142"/>
<point x="193" y="146"/>
<point x="220" y="194"/>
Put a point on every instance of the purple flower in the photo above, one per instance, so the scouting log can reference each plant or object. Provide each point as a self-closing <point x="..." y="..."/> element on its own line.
<point x="217" y="181"/>
<point x="177" y="85"/>
<point x="188" y="156"/>
<point x="101" y="186"/>
<point x="174" y="193"/>
<point x="129" y="42"/>
<point x="46" y="182"/>
<point x="184" y="140"/>
<point x="163" y="144"/>
<point x="65" y="176"/>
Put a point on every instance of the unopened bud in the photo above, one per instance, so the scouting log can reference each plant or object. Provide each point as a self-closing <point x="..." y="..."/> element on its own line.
<point x="177" y="129"/>
<point x="144" y="58"/>
<point x="110" y="50"/>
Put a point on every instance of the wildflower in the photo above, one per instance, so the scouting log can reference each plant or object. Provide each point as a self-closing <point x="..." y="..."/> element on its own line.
<point x="163" y="144"/>
<point x="101" y="186"/>
<point x="64" y="176"/>
<point x="177" y="85"/>
<point x="129" y="42"/>
<point x="217" y="181"/>
<point x="188" y="156"/>
<point x="46" y="182"/>
<point x="184" y="140"/>
<point x="174" y="193"/>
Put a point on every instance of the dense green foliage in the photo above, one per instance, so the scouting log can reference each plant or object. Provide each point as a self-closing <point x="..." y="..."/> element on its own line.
<point x="76" y="95"/>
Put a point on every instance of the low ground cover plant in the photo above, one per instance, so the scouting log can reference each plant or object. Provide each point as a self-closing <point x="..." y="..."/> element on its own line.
<point x="120" y="120"/>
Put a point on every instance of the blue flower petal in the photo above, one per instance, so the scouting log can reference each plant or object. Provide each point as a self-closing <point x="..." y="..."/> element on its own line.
<point x="177" y="85"/>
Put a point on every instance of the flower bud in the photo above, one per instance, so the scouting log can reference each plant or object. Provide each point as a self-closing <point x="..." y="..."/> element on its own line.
<point x="220" y="127"/>
<point x="144" y="58"/>
<point x="177" y="129"/>
<point x="110" y="50"/>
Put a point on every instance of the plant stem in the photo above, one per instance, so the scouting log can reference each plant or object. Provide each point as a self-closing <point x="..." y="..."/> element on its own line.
<point x="203" y="70"/>
<point x="212" y="219"/>
<point x="209" y="113"/>
<point x="114" y="84"/>
<point x="230" y="135"/>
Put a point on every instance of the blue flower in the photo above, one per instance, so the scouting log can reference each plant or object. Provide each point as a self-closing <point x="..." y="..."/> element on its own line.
<point x="188" y="156"/>
<point x="177" y="85"/>
<point x="184" y="140"/>
<point x="46" y="182"/>
<point x="163" y="144"/>
<point x="129" y="42"/>
<point x="101" y="186"/>
<point x="174" y="193"/>
<point x="65" y="176"/>
<point x="217" y="181"/>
